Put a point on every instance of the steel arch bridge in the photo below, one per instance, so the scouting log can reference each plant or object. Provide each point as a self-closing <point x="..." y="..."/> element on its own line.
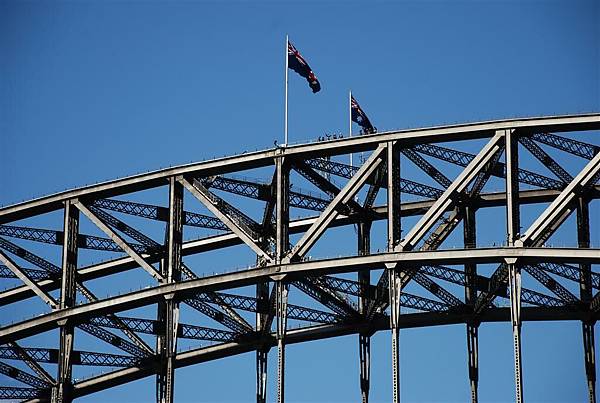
<point x="536" y="161"/>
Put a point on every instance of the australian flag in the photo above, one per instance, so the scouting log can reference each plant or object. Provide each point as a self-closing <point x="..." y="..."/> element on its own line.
<point x="297" y="63"/>
<point x="359" y="117"/>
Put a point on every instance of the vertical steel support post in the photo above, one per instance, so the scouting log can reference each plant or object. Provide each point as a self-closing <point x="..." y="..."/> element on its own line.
<point x="282" y="242"/>
<point x="263" y="307"/>
<point x="513" y="234"/>
<point x="364" y="338"/>
<point x="364" y="345"/>
<point x="473" y="349"/>
<point x="161" y="317"/>
<point x="261" y="374"/>
<point x="514" y="278"/>
<point x="394" y="293"/>
<point x="282" y="209"/>
<point x="262" y="314"/>
<point x="590" y="359"/>
<point x="585" y="292"/>
<point x="513" y="217"/>
<point x="470" y="241"/>
<point x="393" y="195"/>
<point x="170" y="309"/>
<point x="282" y="295"/>
<point x="62" y="392"/>
<point x="394" y="235"/>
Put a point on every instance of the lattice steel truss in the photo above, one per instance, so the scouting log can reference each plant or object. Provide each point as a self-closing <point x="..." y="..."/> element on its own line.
<point x="416" y="270"/>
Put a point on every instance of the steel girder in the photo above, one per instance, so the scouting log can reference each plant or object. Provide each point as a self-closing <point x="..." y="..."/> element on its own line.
<point x="18" y="393"/>
<point x="571" y="146"/>
<point x="34" y="274"/>
<point x="546" y="159"/>
<point x="230" y="319"/>
<point x="446" y="226"/>
<point x="29" y="360"/>
<point x="301" y="335"/>
<point x="270" y="240"/>
<point x="463" y="159"/>
<point x="470" y="283"/>
<point x="23" y="376"/>
<point x="87" y="358"/>
<point x="261" y="191"/>
<point x="168" y="308"/>
<point x="347" y="171"/>
<point x="336" y="147"/>
<point x="62" y="391"/>
<point x="53" y="271"/>
<point x="220" y="241"/>
<point x="56" y="237"/>
<point x="546" y="223"/>
<point x="252" y="304"/>
<point x="246" y="277"/>
<point x="23" y="275"/>
<point x="362" y="291"/>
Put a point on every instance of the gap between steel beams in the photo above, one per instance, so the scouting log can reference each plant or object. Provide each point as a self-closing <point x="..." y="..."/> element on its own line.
<point x="315" y="231"/>
<point x="120" y="241"/>
<point x="458" y="185"/>
<point x="562" y="201"/>
<point x="200" y="193"/>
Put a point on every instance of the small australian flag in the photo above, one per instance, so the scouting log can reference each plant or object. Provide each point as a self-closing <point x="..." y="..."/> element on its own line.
<point x="359" y="117"/>
<point x="297" y="63"/>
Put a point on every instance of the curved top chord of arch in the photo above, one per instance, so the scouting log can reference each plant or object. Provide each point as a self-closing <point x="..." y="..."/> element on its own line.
<point x="435" y="271"/>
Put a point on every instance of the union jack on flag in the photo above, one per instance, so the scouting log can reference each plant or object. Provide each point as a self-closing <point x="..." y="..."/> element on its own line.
<point x="297" y="63"/>
<point x="360" y="117"/>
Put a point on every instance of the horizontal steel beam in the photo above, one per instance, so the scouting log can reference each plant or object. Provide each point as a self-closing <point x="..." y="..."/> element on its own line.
<point x="185" y="289"/>
<point x="14" y="393"/>
<point x="298" y="226"/>
<point x="294" y="336"/>
<point x="85" y="358"/>
<point x="54" y="237"/>
<point x="303" y="151"/>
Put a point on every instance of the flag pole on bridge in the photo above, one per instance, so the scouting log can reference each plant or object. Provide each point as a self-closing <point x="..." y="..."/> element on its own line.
<point x="350" y="119"/>
<point x="287" y="42"/>
<point x="359" y="116"/>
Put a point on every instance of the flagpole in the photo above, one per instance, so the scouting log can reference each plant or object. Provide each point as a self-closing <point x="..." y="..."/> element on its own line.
<point x="286" y="91"/>
<point x="350" y="119"/>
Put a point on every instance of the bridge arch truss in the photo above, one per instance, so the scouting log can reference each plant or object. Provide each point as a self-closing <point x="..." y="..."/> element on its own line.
<point x="421" y="194"/>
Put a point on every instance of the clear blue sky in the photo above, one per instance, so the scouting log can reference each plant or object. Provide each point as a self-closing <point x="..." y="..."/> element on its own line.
<point x="91" y="91"/>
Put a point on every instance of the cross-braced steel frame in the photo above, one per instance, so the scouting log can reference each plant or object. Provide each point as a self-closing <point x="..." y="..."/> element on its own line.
<point x="379" y="298"/>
